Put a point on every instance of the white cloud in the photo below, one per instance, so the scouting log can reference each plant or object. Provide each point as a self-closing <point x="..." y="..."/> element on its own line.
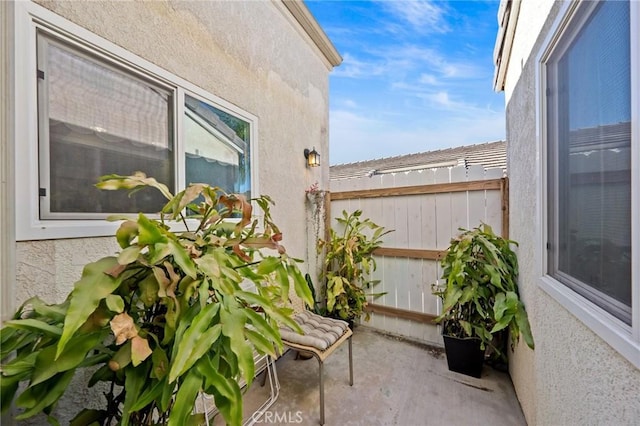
<point x="353" y="67"/>
<point x="424" y="16"/>
<point x="348" y="103"/>
<point x="428" y="79"/>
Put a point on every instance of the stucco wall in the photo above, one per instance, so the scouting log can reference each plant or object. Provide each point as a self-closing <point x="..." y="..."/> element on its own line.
<point x="573" y="377"/>
<point x="248" y="53"/>
<point x="225" y="48"/>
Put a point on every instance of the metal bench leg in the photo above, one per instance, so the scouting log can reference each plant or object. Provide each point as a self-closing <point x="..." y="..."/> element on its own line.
<point x="321" y="393"/>
<point x="350" y="363"/>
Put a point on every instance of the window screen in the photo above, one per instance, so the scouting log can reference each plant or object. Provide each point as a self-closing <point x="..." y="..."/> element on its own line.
<point x="589" y="164"/>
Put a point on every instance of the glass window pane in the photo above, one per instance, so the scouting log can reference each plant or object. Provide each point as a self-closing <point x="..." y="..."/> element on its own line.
<point x="590" y="167"/>
<point x="102" y="121"/>
<point x="216" y="148"/>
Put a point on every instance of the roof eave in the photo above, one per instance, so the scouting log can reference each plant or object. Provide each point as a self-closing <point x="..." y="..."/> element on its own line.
<point x="507" y="19"/>
<point x="301" y="13"/>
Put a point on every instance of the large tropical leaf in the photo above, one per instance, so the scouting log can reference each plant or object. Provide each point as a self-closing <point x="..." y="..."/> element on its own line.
<point x="197" y="339"/>
<point x="94" y="286"/>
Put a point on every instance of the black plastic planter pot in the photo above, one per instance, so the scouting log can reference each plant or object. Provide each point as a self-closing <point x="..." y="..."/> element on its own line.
<point x="464" y="355"/>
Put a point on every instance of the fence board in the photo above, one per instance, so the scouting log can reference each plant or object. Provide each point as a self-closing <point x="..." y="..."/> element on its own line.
<point x="459" y="209"/>
<point x="477" y="199"/>
<point x="494" y="198"/>
<point x="443" y="212"/>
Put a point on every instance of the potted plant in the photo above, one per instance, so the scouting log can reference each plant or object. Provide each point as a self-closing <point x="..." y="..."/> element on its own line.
<point x="348" y="264"/>
<point x="480" y="299"/>
<point x="166" y="318"/>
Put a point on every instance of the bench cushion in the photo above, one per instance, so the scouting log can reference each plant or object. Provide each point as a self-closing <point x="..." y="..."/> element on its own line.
<point x="319" y="332"/>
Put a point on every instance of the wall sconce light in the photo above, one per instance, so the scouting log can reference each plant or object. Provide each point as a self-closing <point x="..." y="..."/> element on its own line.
<point x="313" y="158"/>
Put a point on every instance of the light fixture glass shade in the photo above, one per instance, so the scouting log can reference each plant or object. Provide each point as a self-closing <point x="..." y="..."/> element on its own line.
<point x="313" y="158"/>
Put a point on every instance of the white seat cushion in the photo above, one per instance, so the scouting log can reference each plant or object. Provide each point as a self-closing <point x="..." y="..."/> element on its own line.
<point x="319" y="332"/>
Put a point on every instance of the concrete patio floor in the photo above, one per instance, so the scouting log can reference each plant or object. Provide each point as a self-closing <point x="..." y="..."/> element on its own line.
<point x="396" y="382"/>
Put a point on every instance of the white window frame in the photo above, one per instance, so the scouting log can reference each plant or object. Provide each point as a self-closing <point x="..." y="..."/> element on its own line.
<point x="28" y="18"/>
<point x="624" y="338"/>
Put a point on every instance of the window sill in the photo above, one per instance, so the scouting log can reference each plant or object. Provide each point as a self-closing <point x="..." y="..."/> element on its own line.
<point x="613" y="331"/>
<point x="60" y="229"/>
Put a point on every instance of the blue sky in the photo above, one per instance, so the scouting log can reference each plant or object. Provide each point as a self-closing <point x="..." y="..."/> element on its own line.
<point x="416" y="76"/>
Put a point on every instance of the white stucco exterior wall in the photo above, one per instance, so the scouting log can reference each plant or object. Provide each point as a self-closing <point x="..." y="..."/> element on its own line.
<point x="226" y="49"/>
<point x="253" y="54"/>
<point x="573" y="377"/>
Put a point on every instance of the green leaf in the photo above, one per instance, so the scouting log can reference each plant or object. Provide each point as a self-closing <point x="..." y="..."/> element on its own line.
<point x="89" y="416"/>
<point x="20" y="365"/>
<point x="149" y="290"/>
<point x="268" y="265"/>
<point x="501" y="324"/>
<point x="149" y="232"/>
<point x="160" y="363"/>
<point x="277" y="314"/>
<point x="185" y="398"/>
<point x="282" y="277"/>
<point x="94" y="286"/>
<point x="523" y="324"/>
<point x="300" y="285"/>
<point x="262" y="326"/>
<point x="209" y="265"/>
<point x="194" y="343"/>
<point x="135" y="379"/>
<point x="263" y="345"/>
<point x="499" y="306"/>
<point x="152" y="391"/>
<point x="43" y="395"/>
<point x="136" y="181"/>
<point x="55" y="313"/>
<point x="47" y="365"/>
<point x="36" y="326"/>
<point x="227" y="394"/>
<point x="115" y="303"/>
<point x="182" y="258"/>
<point x="8" y="388"/>
<point x="128" y="255"/>
<point x="126" y="233"/>
<point x="233" y="327"/>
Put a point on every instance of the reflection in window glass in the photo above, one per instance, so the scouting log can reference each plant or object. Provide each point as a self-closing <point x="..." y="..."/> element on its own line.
<point x="590" y="159"/>
<point x="96" y="121"/>
<point x="216" y="148"/>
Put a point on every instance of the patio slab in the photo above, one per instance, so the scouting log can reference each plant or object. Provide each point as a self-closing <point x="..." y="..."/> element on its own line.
<point x="396" y="382"/>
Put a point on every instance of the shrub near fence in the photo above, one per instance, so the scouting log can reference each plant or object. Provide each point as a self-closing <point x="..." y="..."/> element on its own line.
<point x="425" y="208"/>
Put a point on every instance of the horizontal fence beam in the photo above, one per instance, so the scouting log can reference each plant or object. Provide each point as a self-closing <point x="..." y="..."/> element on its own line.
<point x="401" y="313"/>
<point x="436" y="188"/>
<point x="410" y="253"/>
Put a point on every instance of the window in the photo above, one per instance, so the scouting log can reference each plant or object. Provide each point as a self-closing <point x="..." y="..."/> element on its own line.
<point x="216" y="147"/>
<point x="97" y="120"/>
<point x="589" y="168"/>
<point x="93" y="108"/>
<point x="589" y="118"/>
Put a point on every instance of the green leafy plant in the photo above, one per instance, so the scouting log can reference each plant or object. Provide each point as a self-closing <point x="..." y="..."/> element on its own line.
<point x="166" y="318"/>
<point x="480" y="294"/>
<point x="348" y="264"/>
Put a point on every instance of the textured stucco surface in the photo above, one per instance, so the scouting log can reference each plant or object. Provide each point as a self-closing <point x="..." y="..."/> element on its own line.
<point x="248" y="53"/>
<point x="521" y="161"/>
<point x="227" y="49"/>
<point x="573" y="377"/>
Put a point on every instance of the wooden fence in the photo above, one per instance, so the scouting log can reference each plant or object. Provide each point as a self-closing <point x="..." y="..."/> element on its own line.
<point x="425" y="209"/>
